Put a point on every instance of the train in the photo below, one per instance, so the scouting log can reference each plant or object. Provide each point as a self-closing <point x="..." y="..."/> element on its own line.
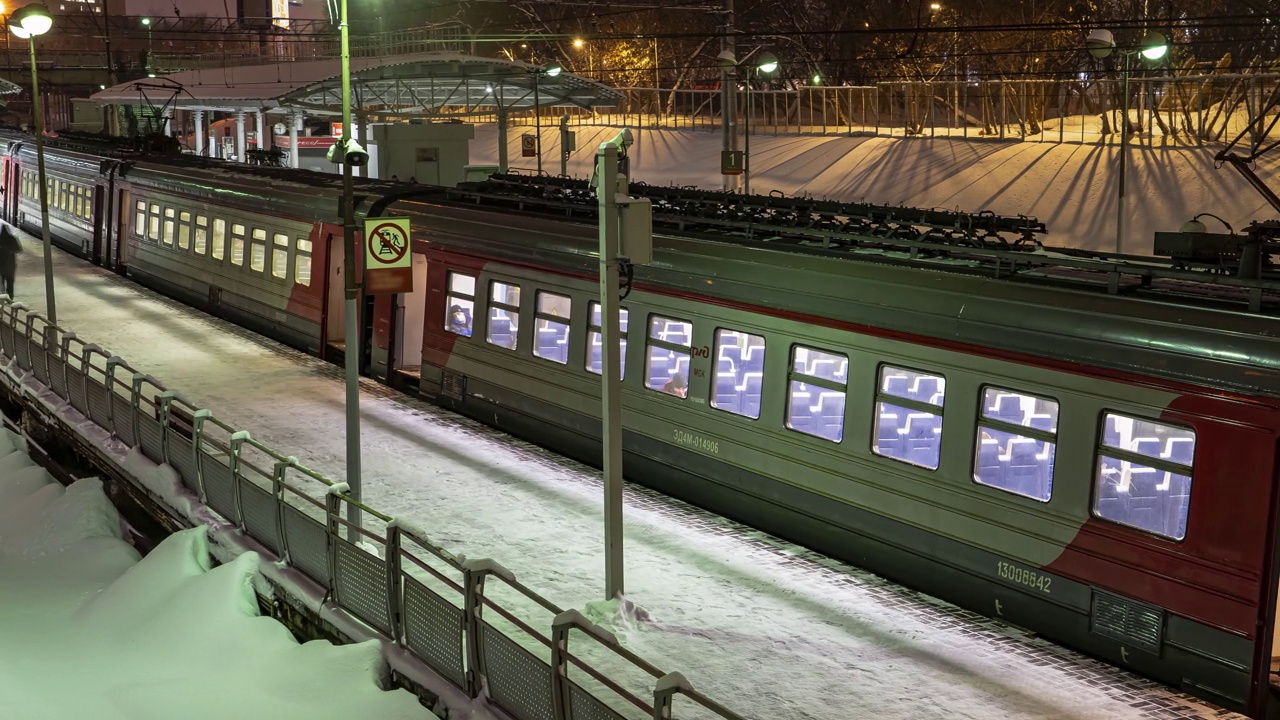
<point x="1021" y="432"/>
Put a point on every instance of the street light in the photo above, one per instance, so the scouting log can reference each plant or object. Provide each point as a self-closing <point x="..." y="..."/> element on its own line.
<point x="27" y="22"/>
<point x="551" y="70"/>
<point x="766" y="64"/>
<point x="146" y="22"/>
<point x="1101" y="44"/>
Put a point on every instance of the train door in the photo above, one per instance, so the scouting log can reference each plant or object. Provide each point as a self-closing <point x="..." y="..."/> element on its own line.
<point x="101" y="226"/>
<point x="1266" y="673"/>
<point x="412" y="317"/>
<point x="116" y="235"/>
<point x="335" y="309"/>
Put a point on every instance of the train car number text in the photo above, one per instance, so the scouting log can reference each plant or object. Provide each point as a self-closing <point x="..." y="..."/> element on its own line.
<point x="1022" y="576"/>
<point x="696" y="442"/>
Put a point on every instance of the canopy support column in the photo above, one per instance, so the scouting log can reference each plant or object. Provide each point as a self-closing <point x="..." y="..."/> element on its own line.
<point x="295" y="122"/>
<point x="198" y="115"/>
<point x="240" y="156"/>
<point x="502" y="141"/>
<point x="260" y="136"/>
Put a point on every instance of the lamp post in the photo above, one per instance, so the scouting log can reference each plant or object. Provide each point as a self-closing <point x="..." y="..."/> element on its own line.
<point x="551" y="70"/>
<point x="1101" y="44"/>
<point x="27" y="22"/>
<point x="151" y="70"/>
<point x="766" y="64"/>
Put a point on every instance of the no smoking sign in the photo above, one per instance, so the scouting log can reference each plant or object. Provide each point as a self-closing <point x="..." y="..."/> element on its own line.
<point x="388" y="261"/>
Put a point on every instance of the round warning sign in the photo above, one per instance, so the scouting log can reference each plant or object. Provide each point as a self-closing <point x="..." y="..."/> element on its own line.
<point x="388" y="243"/>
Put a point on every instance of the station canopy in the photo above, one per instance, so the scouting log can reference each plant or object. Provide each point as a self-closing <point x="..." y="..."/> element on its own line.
<point x="420" y="84"/>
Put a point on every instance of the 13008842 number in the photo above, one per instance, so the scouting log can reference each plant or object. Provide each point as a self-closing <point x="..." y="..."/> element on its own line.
<point x="1023" y="576"/>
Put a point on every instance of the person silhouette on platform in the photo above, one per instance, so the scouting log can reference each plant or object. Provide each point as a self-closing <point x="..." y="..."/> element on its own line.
<point x="9" y="249"/>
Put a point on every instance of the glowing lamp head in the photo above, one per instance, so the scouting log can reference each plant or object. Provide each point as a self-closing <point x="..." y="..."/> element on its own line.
<point x="767" y="62"/>
<point x="553" y="69"/>
<point x="30" y="20"/>
<point x="1101" y="43"/>
<point x="577" y="42"/>
<point x="146" y="21"/>
<point x="1154" y="46"/>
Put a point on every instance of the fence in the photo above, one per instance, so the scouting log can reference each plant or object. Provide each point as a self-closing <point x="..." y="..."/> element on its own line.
<point x="1189" y="109"/>
<point x="442" y="610"/>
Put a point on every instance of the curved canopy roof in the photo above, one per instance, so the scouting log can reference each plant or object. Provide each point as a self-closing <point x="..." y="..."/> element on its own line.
<point x="417" y="84"/>
<point x="8" y="88"/>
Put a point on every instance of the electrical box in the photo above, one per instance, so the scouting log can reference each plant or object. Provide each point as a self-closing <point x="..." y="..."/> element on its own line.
<point x="635" y="229"/>
<point x="1204" y="247"/>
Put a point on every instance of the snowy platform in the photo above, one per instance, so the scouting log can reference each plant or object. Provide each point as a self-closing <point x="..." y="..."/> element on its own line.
<point x="767" y="628"/>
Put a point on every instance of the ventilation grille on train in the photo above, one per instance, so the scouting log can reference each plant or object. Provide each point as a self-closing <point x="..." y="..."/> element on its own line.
<point x="453" y="385"/>
<point x="1128" y="621"/>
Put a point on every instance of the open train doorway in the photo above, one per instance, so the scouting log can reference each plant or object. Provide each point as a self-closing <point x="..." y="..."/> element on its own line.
<point x="335" y="308"/>
<point x="413" y="315"/>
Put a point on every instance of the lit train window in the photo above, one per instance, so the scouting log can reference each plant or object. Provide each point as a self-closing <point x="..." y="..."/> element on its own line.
<point x="739" y="371"/>
<point x="77" y="200"/>
<point x="258" y="250"/>
<point x="909" y="416"/>
<point x="153" y="231"/>
<point x="219" y="239"/>
<point x="302" y="263"/>
<point x="816" y="392"/>
<point x="202" y="234"/>
<point x="462" y="293"/>
<point x="1016" y="440"/>
<point x="595" y="351"/>
<point x="140" y="219"/>
<point x="504" y="315"/>
<point x="184" y="230"/>
<point x="667" y="359"/>
<point x="279" y="255"/>
<point x="551" y="326"/>
<point x="1144" y="474"/>
<point x="237" y="244"/>
<point x="168" y="226"/>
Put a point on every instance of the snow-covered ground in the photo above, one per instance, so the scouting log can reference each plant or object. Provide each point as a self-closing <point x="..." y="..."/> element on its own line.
<point x="90" y="631"/>
<point x="1070" y="187"/>
<point x="762" y="626"/>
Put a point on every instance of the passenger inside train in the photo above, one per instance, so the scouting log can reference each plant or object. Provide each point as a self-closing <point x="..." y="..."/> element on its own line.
<point x="678" y="385"/>
<point x="459" y="321"/>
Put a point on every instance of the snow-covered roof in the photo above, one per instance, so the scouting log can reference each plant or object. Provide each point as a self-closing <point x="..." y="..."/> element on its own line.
<point x="8" y="88"/>
<point x="415" y="84"/>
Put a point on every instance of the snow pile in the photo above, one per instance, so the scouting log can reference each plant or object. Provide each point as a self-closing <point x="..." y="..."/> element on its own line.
<point x="90" y="630"/>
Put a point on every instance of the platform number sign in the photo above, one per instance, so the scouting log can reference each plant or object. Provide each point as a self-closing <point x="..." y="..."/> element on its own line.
<point x="388" y="256"/>
<point x="731" y="162"/>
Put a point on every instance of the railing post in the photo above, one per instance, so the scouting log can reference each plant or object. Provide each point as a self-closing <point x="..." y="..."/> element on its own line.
<point x="166" y="400"/>
<point x="277" y="490"/>
<point x="197" y="442"/>
<point x="559" y="670"/>
<point x="394" y="597"/>
<point x="110" y="384"/>
<point x="135" y="399"/>
<point x="473" y="584"/>
<point x="237" y="439"/>
<point x="664" y="693"/>
<point x="332" y="510"/>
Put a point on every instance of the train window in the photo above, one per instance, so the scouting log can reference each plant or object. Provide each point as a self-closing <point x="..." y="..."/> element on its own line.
<point x="551" y="326"/>
<point x="168" y="226"/>
<point x="1016" y="440"/>
<point x="202" y="234"/>
<point x="595" y="359"/>
<point x="279" y="255"/>
<point x="504" y="315"/>
<point x="302" y="263"/>
<point x="667" y="358"/>
<point x="258" y="250"/>
<point x="739" y="370"/>
<point x="77" y="200"/>
<point x="219" y="239"/>
<point x="909" y="416"/>
<point x="140" y="219"/>
<point x="816" y="392"/>
<point x="153" y="231"/>
<point x="462" y="293"/>
<point x="237" y="244"/>
<point x="184" y="230"/>
<point x="1144" y="474"/>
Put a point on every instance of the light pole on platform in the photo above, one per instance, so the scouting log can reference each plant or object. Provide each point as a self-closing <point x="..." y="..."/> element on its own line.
<point x="28" y="22"/>
<point x="551" y="70"/>
<point x="348" y="153"/>
<point x="765" y="64"/>
<point x="1101" y="44"/>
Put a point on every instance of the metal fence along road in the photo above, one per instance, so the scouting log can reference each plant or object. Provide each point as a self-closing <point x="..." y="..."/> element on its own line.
<point x="445" y="611"/>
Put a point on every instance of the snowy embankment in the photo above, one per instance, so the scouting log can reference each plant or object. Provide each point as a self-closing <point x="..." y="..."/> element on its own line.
<point x="1071" y="187"/>
<point x="90" y="630"/>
